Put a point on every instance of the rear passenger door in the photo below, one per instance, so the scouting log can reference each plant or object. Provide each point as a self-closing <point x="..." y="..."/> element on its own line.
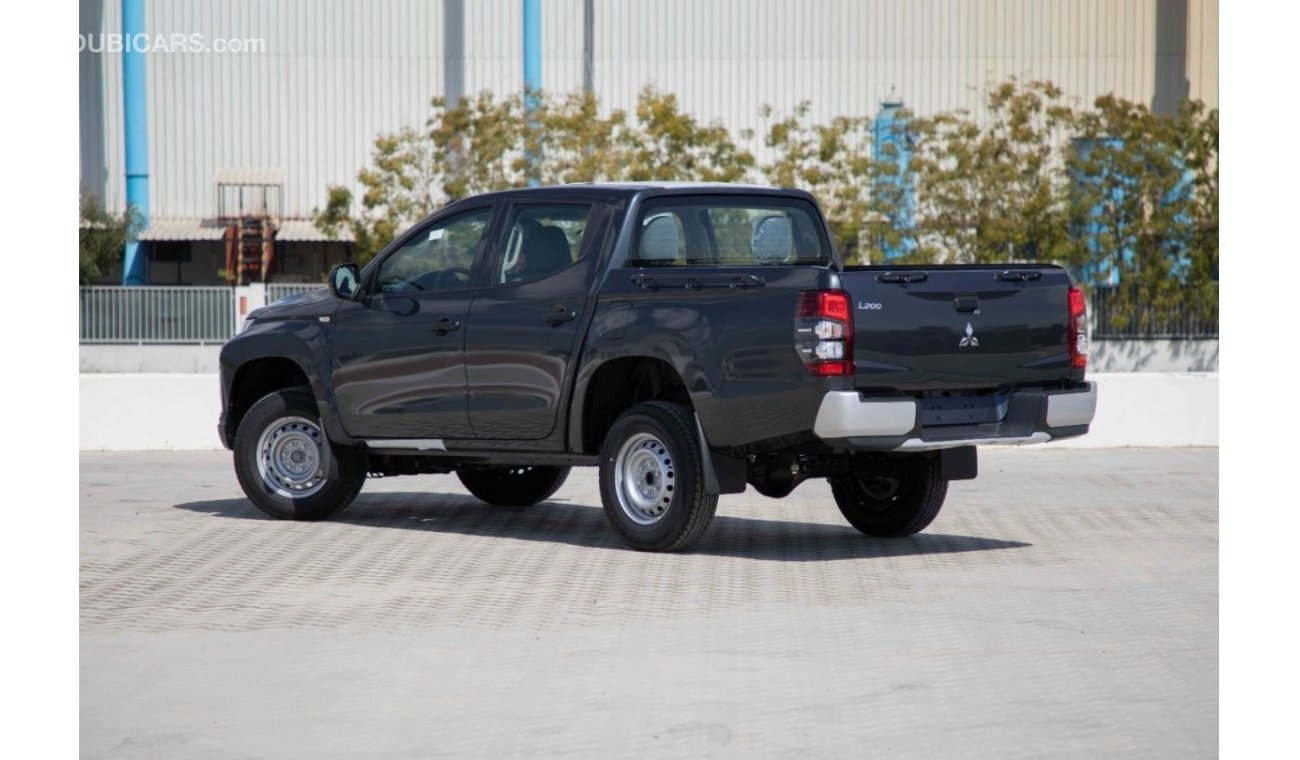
<point x="524" y="326"/>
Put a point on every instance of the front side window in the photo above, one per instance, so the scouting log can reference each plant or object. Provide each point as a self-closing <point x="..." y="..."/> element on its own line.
<point x="690" y="231"/>
<point x="542" y="239"/>
<point x="440" y="257"/>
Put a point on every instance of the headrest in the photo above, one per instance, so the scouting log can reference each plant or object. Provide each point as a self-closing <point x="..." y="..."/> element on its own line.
<point x="659" y="240"/>
<point x="772" y="239"/>
<point x="546" y="250"/>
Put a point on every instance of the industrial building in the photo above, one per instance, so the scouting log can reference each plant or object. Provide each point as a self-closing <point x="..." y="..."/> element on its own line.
<point x="237" y="148"/>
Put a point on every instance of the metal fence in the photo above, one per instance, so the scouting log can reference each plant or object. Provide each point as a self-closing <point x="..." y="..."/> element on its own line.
<point x="157" y="314"/>
<point x="1126" y="316"/>
<point x="276" y="291"/>
<point x="207" y="315"/>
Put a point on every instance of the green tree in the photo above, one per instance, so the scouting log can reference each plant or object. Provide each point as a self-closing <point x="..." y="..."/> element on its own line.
<point x="832" y="161"/>
<point x="994" y="189"/>
<point x="477" y="145"/>
<point x="484" y="143"/>
<point x="398" y="189"/>
<point x="668" y="145"/>
<point x="1141" y="203"/>
<point x="574" y="143"/>
<point x="1147" y="198"/>
<point x="102" y="237"/>
<point x="472" y="147"/>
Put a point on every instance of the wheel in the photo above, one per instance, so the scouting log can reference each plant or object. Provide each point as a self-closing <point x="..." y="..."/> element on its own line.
<point x="899" y="497"/>
<point x="513" y="486"/>
<point x="652" y="478"/>
<point x="282" y="459"/>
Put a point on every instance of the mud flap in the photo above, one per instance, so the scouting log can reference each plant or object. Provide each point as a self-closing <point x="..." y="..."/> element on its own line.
<point x="960" y="463"/>
<point x="722" y="474"/>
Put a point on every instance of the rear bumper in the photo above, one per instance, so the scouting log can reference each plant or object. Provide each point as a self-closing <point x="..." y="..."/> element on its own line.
<point x="846" y="419"/>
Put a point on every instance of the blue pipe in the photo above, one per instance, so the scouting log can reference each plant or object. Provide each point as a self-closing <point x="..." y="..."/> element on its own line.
<point x="532" y="73"/>
<point x="135" y="116"/>
<point x="889" y="142"/>
<point x="1093" y="226"/>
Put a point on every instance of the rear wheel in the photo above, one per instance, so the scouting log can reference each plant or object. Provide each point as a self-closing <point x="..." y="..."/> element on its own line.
<point x="513" y="486"/>
<point x="283" y="459"/>
<point x="652" y="478"/>
<point x="898" y="497"/>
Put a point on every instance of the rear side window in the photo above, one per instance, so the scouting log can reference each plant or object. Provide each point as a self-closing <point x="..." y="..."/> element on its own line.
<point x="542" y="239"/>
<point x="722" y="231"/>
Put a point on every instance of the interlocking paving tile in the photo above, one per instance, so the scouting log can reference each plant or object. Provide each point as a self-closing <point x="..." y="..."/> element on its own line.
<point x="1064" y="604"/>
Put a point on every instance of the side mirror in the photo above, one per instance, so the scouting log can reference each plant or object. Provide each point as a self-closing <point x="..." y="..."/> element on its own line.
<point x="343" y="280"/>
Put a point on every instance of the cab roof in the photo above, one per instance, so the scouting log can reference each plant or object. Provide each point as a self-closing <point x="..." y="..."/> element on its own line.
<point x="623" y="190"/>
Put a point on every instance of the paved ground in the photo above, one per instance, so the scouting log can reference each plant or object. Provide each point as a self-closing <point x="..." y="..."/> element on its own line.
<point x="1064" y="604"/>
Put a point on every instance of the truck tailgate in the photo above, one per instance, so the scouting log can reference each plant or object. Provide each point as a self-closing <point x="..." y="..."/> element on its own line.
<point x="958" y="327"/>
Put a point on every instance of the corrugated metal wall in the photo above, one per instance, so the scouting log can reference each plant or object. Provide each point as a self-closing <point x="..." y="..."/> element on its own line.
<point x="334" y="75"/>
<point x="1203" y="50"/>
<point x="337" y="72"/>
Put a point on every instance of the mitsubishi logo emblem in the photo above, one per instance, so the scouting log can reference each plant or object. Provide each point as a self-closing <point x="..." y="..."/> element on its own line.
<point x="970" y="341"/>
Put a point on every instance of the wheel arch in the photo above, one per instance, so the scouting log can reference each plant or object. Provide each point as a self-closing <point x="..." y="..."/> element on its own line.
<point x="254" y="379"/>
<point x="617" y="385"/>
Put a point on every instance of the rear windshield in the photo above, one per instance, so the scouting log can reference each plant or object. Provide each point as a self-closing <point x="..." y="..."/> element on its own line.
<point x="718" y="230"/>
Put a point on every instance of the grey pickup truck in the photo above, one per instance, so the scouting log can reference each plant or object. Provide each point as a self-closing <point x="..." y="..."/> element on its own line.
<point x="688" y="340"/>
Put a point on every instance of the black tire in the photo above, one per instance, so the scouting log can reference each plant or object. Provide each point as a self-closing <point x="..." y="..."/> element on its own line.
<point x="899" y="498"/>
<point x="663" y="437"/>
<point x="324" y="502"/>
<point x="513" y="486"/>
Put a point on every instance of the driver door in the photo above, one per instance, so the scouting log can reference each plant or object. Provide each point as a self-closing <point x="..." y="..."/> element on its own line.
<point x="398" y="365"/>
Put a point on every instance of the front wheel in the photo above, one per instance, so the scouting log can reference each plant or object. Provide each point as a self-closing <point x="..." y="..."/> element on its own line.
<point x="897" y="497"/>
<point x="652" y="478"/>
<point x="283" y="460"/>
<point x="513" y="486"/>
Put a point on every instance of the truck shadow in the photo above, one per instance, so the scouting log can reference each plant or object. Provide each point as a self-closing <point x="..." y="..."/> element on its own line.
<point x="557" y="521"/>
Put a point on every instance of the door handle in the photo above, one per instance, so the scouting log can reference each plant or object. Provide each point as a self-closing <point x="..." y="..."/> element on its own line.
<point x="903" y="278"/>
<point x="1019" y="275"/>
<point x="445" y="325"/>
<point x="559" y="316"/>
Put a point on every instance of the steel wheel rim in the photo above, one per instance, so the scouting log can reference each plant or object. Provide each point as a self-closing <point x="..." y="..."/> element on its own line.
<point x="645" y="479"/>
<point x="291" y="456"/>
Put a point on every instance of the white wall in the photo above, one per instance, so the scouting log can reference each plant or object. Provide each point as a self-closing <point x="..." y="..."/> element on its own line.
<point x="179" y="411"/>
<point x="1153" y="356"/>
<point x="1153" y="409"/>
<point x="1103" y="356"/>
<point x="113" y="358"/>
<point x="149" y="411"/>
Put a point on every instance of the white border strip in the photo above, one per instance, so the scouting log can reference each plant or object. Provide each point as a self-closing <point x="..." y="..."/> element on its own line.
<point x="140" y="412"/>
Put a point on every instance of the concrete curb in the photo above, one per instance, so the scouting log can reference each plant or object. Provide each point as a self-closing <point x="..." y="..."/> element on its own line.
<point x="148" y="411"/>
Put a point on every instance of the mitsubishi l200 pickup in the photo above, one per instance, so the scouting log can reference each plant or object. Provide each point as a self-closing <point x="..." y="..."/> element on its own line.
<point x="687" y="340"/>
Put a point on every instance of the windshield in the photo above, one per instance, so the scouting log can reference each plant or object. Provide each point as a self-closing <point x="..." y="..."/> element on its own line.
<point x="739" y="231"/>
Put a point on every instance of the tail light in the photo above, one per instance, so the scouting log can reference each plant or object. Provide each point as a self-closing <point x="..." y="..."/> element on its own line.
<point x="1078" y="330"/>
<point x="823" y="332"/>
